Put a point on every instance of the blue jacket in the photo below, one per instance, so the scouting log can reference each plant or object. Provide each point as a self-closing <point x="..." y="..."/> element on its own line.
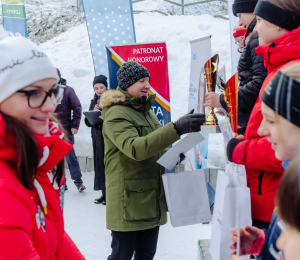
<point x="270" y="250"/>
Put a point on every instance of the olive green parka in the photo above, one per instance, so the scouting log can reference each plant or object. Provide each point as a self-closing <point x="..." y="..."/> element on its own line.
<point x="134" y="141"/>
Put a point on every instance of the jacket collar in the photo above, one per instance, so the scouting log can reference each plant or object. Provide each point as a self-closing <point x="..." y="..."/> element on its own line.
<point x="50" y="144"/>
<point x="138" y="103"/>
<point x="121" y="97"/>
<point x="282" y="50"/>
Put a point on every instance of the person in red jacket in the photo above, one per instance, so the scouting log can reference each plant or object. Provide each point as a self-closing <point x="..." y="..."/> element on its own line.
<point x="279" y="41"/>
<point x="31" y="156"/>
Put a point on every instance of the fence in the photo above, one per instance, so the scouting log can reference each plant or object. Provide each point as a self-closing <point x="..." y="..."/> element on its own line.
<point x="182" y="5"/>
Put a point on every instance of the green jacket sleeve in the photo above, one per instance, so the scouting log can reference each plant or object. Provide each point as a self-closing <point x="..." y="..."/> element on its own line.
<point x="126" y="138"/>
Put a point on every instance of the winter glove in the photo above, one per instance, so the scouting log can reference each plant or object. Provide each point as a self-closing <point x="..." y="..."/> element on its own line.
<point x="189" y="123"/>
<point x="230" y="147"/>
<point x="182" y="158"/>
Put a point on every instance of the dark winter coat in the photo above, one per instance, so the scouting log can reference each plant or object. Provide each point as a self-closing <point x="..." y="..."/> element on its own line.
<point x="69" y="103"/>
<point x="269" y="250"/>
<point x="252" y="74"/>
<point x="98" y="149"/>
<point x="255" y="152"/>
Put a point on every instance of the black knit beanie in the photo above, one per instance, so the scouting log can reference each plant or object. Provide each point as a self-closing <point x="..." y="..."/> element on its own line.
<point x="131" y="72"/>
<point x="243" y="6"/>
<point x="100" y="79"/>
<point x="282" y="95"/>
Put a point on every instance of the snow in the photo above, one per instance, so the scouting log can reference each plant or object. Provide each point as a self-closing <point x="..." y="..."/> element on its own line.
<point x="70" y="52"/>
<point x="85" y="222"/>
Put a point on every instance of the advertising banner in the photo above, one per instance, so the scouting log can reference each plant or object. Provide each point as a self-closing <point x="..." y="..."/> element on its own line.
<point x="235" y="55"/>
<point x="154" y="57"/>
<point x="200" y="53"/>
<point x="108" y="23"/>
<point x="14" y="17"/>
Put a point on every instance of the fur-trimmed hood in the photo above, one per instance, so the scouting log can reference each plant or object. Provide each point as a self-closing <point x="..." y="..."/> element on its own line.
<point x="121" y="97"/>
<point x="111" y="97"/>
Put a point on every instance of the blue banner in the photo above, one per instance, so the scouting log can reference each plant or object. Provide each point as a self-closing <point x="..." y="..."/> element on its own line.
<point x="108" y="23"/>
<point x="14" y="17"/>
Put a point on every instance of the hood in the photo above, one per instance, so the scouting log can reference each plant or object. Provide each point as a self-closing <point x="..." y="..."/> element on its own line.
<point x="62" y="81"/>
<point x="281" y="51"/>
<point x="121" y="97"/>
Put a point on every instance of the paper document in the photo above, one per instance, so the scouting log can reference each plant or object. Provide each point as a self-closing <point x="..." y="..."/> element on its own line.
<point x="171" y="157"/>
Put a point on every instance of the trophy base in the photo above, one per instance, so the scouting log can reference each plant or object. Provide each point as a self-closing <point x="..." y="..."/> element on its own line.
<point x="210" y="129"/>
<point x="211" y="118"/>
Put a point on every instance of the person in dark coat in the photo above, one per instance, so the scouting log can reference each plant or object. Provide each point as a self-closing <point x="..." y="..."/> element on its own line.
<point x="100" y="86"/>
<point x="251" y="68"/>
<point x="70" y="103"/>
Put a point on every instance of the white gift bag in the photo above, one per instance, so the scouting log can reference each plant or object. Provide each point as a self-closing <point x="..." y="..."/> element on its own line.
<point x="187" y="198"/>
<point x="238" y="173"/>
<point x="232" y="210"/>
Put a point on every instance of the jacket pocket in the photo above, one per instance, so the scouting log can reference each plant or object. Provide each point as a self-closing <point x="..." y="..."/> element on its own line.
<point x="260" y="177"/>
<point x="140" y="199"/>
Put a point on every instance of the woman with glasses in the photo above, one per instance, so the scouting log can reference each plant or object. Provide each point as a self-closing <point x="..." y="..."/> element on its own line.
<point x="31" y="155"/>
<point x="252" y="72"/>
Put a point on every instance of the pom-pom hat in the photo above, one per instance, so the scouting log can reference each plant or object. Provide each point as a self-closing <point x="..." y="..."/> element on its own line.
<point x="239" y="31"/>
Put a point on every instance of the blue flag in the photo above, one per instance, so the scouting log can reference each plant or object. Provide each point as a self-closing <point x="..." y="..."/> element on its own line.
<point x="108" y="23"/>
<point x="14" y="17"/>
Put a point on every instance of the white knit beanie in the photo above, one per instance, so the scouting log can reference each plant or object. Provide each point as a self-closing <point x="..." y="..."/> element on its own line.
<point x="21" y="64"/>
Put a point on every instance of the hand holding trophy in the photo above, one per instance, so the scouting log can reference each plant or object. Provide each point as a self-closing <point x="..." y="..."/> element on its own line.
<point x="211" y="74"/>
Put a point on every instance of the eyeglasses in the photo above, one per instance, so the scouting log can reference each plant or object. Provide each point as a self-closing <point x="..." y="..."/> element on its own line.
<point x="37" y="97"/>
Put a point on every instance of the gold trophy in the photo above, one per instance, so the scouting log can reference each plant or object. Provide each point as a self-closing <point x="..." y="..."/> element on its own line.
<point x="211" y="74"/>
<point x="231" y="98"/>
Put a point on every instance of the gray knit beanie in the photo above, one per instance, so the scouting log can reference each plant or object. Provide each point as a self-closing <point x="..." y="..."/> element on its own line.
<point x="131" y="72"/>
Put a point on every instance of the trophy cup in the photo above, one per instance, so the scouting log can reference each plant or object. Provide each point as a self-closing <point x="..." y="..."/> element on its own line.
<point x="211" y="74"/>
<point x="231" y="98"/>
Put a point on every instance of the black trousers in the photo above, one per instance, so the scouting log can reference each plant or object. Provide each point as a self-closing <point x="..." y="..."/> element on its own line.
<point x="140" y="243"/>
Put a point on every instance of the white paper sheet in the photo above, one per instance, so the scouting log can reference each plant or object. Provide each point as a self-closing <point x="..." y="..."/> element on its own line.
<point x="171" y="157"/>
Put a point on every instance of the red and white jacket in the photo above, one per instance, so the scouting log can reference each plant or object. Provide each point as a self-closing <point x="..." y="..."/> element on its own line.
<point x="264" y="171"/>
<point x="31" y="221"/>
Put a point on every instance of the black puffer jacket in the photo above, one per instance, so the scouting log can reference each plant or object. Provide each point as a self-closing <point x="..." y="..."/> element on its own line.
<point x="252" y="75"/>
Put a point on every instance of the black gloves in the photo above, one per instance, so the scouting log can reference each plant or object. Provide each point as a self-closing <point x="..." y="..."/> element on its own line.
<point x="230" y="147"/>
<point x="182" y="158"/>
<point x="189" y="123"/>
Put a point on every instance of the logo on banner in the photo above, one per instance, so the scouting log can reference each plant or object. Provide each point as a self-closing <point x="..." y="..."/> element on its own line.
<point x="14" y="17"/>
<point x="194" y="57"/>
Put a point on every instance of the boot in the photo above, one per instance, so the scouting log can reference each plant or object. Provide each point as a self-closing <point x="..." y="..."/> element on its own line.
<point x="80" y="187"/>
<point x="101" y="200"/>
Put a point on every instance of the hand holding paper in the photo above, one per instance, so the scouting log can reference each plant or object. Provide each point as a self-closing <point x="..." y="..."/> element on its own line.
<point x="248" y="236"/>
<point x="172" y="156"/>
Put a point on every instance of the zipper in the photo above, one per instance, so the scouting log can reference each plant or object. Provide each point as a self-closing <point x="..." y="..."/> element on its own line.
<point x="260" y="177"/>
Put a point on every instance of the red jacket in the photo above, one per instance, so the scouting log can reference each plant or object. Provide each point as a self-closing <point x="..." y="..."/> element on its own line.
<point x="28" y="230"/>
<point x="263" y="169"/>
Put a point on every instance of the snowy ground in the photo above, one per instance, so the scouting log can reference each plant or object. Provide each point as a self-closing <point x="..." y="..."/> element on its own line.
<point x="70" y="51"/>
<point x="85" y="223"/>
